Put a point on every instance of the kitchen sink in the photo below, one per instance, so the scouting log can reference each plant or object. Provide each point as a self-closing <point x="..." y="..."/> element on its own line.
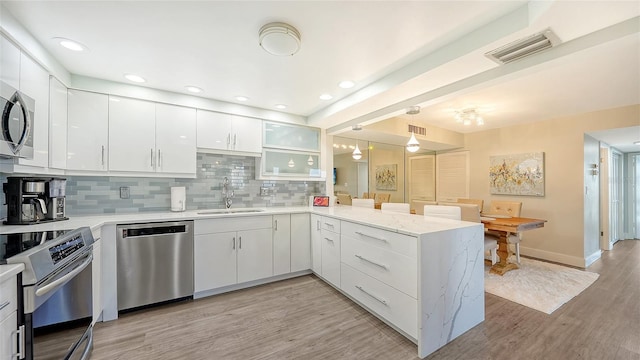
<point x="229" y="211"/>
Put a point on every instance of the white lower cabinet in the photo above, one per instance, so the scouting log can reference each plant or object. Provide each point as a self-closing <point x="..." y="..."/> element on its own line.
<point x="8" y="318"/>
<point x="331" y="257"/>
<point x="316" y="244"/>
<point x="300" y="242"/>
<point x="281" y="244"/>
<point x="394" y="306"/>
<point x="232" y="251"/>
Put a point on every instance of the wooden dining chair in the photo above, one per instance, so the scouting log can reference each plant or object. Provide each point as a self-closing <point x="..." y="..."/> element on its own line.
<point x="478" y="202"/>
<point x="511" y="208"/>
<point x="344" y="199"/>
<point x="443" y="211"/>
<point x="417" y="206"/>
<point x="395" y="207"/>
<point x="382" y="198"/>
<point x="368" y="195"/>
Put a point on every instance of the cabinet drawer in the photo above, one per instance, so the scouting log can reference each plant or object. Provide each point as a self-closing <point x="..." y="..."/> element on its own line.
<point x="331" y="224"/>
<point x="8" y="297"/>
<point x="331" y="257"/>
<point x="396" y="270"/>
<point x="400" y="243"/>
<point x="389" y="303"/>
<point x="209" y="226"/>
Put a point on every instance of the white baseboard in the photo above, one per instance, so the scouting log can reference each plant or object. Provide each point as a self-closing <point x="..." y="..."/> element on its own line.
<point x="249" y="284"/>
<point x="561" y="258"/>
<point x="592" y="258"/>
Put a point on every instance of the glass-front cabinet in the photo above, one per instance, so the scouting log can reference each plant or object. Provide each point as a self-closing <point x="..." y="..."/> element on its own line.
<point x="291" y="137"/>
<point x="290" y="151"/>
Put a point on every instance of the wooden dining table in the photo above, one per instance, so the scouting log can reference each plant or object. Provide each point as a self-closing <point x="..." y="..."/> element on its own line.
<point x="503" y="227"/>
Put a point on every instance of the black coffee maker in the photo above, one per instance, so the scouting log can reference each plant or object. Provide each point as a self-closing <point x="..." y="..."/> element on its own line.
<point x="32" y="200"/>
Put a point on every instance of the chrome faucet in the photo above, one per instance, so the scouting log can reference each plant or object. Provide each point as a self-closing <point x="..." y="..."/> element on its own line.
<point x="227" y="194"/>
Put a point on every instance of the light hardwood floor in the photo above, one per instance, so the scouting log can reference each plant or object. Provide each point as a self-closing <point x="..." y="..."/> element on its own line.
<point x="304" y="318"/>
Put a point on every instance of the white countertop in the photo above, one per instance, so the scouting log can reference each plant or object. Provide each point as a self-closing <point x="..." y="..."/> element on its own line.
<point x="397" y="222"/>
<point x="7" y="271"/>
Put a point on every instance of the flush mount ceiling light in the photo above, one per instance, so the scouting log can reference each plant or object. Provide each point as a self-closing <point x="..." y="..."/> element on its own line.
<point x="193" y="89"/>
<point x="279" y="39"/>
<point x="281" y="106"/>
<point x="242" y="98"/>
<point x="356" y="127"/>
<point x="70" y="44"/>
<point x="413" y="110"/>
<point x="326" y="97"/>
<point x="346" y="84"/>
<point x="134" y="78"/>
<point x="468" y="116"/>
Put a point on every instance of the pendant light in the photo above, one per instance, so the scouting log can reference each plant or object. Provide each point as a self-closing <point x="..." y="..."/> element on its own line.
<point x="310" y="161"/>
<point x="357" y="154"/>
<point x="291" y="163"/>
<point x="413" y="145"/>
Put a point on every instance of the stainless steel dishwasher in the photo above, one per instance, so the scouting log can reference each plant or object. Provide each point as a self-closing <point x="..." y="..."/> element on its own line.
<point x="155" y="263"/>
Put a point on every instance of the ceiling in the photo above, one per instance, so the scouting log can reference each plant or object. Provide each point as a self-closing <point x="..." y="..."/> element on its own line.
<point x="399" y="53"/>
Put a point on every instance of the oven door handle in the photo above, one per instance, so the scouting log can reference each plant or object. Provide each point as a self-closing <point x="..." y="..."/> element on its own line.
<point x="54" y="284"/>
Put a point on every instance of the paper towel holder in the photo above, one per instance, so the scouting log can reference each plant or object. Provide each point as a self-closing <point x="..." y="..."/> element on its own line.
<point x="178" y="198"/>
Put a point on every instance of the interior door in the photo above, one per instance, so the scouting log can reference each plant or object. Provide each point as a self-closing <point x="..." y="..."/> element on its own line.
<point x="616" y="197"/>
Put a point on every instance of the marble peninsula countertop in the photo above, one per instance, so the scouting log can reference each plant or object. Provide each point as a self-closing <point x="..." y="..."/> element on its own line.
<point x="397" y="222"/>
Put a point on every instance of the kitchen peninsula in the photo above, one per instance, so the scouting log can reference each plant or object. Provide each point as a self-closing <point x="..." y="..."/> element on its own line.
<point x="422" y="276"/>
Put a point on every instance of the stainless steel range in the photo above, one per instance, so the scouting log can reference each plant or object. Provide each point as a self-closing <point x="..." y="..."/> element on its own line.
<point x="56" y="288"/>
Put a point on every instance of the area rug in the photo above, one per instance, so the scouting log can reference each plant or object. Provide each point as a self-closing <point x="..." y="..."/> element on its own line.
<point x="539" y="285"/>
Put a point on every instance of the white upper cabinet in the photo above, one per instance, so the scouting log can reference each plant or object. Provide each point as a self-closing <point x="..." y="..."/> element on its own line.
<point x="175" y="139"/>
<point x="34" y="82"/>
<point x="57" y="124"/>
<point x="149" y="137"/>
<point x="9" y="63"/>
<point x="87" y="131"/>
<point x="132" y="135"/>
<point x="229" y="133"/>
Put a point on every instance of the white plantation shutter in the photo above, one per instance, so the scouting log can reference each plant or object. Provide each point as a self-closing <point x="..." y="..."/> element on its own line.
<point x="422" y="178"/>
<point x="452" y="176"/>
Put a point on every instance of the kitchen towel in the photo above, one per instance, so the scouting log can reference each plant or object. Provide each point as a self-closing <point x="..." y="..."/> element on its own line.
<point x="178" y="198"/>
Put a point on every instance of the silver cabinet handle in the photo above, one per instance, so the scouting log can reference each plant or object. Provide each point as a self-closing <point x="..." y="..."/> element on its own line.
<point x="276" y="225"/>
<point x="228" y="140"/>
<point x="234" y="140"/>
<point x="371" y="261"/>
<point x="328" y="239"/>
<point x="382" y="301"/>
<point x="328" y="224"/>
<point x="371" y="237"/>
<point x="102" y="156"/>
<point x="20" y="341"/>
<point x="159" y="159"/>
<point x="152" y="158"/>
<point x="234" y="243"/>
<point x="240" y="242"/>
<point x="317" y="224"/>
<point x="5" y="304"/>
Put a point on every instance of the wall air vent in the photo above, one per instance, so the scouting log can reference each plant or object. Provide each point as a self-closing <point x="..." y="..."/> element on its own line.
<point x="417" y="130"/>
<point x="524" y="47"/>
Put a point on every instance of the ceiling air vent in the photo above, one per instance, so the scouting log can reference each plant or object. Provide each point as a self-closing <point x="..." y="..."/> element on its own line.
<point x="524" y="47"/>
<point x="417" y="130"/>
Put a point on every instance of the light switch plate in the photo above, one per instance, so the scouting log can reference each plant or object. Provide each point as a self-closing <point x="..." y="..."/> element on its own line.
<point x="124" y="192"/>
<point x="264" y="191"/>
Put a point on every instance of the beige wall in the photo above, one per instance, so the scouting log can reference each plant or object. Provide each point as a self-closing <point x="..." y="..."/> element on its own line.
<point x="383" y="154"/>
<point x="562" y="140"/>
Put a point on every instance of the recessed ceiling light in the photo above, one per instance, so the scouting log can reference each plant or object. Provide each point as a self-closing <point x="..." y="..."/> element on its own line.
<point x="70" y="44"/>
<point x="281" y="106"/>
<point x="193" y="89"/>
<point x="135" y="78"/>
<point x="242" y="98"/>
<point x="326" y="97"/>
<point x="346" y="84"/>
